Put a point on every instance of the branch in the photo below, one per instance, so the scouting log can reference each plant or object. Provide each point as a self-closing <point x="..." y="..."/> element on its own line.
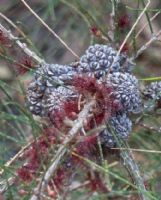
<point x="139" y="150"/>
<point x="133" y="27"/>
<point x="112" y="19"/>
<point x="132" y="169"/>
<point x="13" y="159"/>
<point x="49" y="29"/>
<point x="16" y="28"/>
<point x="146" y="45"/>
<point x="150" y="128"/>
<point x="134" y="172"/>
<point x="144" y="26"/>
<point x="21" y="45"/>
<point x="128" y="35"/>
<point x="62" y="150"/>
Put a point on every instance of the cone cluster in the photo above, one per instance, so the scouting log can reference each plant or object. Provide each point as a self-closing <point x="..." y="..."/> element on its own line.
<point x="52" y="85"/>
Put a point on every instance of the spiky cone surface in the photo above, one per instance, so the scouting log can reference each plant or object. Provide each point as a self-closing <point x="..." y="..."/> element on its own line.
<point x="126" y="91"/>
<point x="57" y="96"/>
<point x="46" y="87"/>
<point x="97" y="61"/>
<point x="118" y="127"/>
<point x="55" y="74"/>
<point x="153" y="90"/>
<point x="35" y="95"/>
<point x="100" y="59"/>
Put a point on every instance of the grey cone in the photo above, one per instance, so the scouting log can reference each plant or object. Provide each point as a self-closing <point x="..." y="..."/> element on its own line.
<point x="52" y="85"/>
<point x="118" y="127"/>
<point x="55" y="74"/>
<point x="46" y="85"/>
<point x="99" y="59"/>
<point x="153" y="90"/>
<point x="96" y="61"/>
<point x="57" y="96"/>
<point x="125" y="90"/>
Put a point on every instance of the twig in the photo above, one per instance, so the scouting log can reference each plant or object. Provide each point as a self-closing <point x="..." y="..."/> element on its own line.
<point x="146" y="45"/>
<point x="26" y="38"/>
<point x="78" y="11"/>
<point x="131" y="166"/>
<point x="76" y="187"/>
<point x="5" y="184"/>
<point x="97" y="129"/>
<point x="16" y="27"/>
<point x="139" y="150"/>
<point x="86" y="20"/>
<point x="21" y="45"/>
<point x="133" y="27"/>
<point x="62" y="150"/>
<point x="112" y="20"/>
<point x="142" y="28"/>
<point x="133" y="170"/>
<point x="92" y="20"/>
<point x="147" y="16"/>
<point x="49" y="29"/>
<point x="128" y="35"/>
<point x="150" y="128"/>
<point x="19" y="154"/>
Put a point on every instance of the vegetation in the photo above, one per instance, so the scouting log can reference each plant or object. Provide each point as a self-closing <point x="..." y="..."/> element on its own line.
<point x="88" y="125"/>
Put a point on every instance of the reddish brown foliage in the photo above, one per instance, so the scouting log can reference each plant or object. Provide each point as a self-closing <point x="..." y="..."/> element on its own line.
<point x="89" y="87"/>
<point x="4" y="39"/>
<point x="69" y="109"/>
<point x="95" y="31"/>
<point x="24" y="65"/>
<point x="84" y="145"/>
<point x="125" y="48"/>
<point x="37" y="153"/>
<point x="96" y="183"/>
<point x="124" y="21"/>
<point x="24" y="173"/>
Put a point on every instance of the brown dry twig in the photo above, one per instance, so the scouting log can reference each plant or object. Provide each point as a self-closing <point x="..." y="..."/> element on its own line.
<point x="49" y="29"/>
<point x="16" y="28"/>
<point x="154" y="37"/>
<point x="150" y="128"/>
<point x="128" y="35"/>
<point x="18" y="155"/>
<point x="112" y="20"/>
<point x="143" y="27"/>
<point x="133" y="169"/>
<point x="62" y="150"/>
<point x="139" y="150"/>
<point x="21" y="45"/>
